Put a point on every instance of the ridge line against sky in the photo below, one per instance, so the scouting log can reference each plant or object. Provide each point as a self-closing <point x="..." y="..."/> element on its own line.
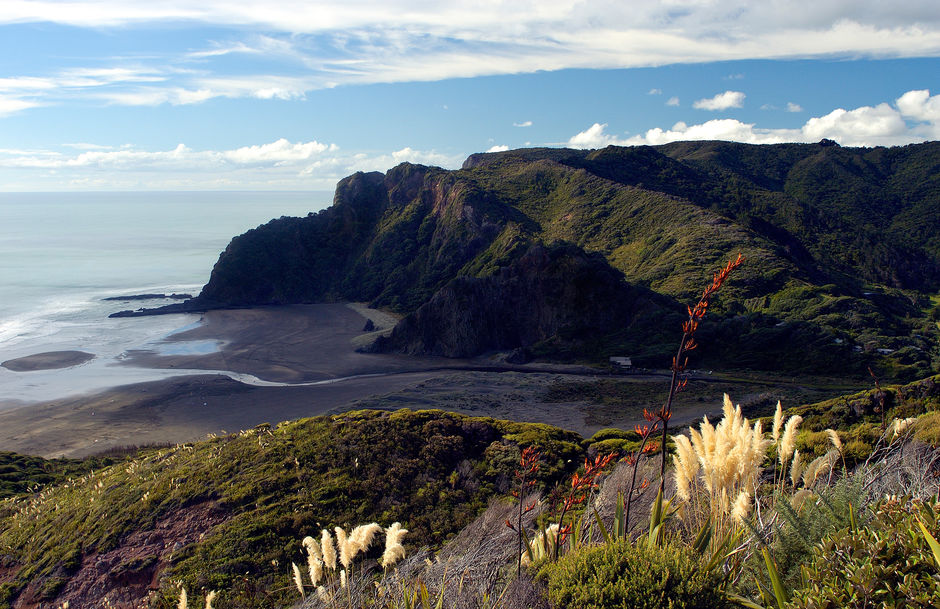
<point x="123" y="94"/>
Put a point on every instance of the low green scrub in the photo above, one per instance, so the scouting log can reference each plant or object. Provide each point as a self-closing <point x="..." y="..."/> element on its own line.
<point x="267" y="487"/>
<point x="621" y="575"/>
<point x="887" y="563"/>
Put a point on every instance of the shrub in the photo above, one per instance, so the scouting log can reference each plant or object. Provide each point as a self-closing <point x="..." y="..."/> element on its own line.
<point x="886" y="563"/>
<point x="927" y="429"/>
<point x="621" y="575"/>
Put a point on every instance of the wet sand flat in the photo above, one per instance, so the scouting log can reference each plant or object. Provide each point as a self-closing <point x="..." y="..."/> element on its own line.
<point x="50" y="360"/>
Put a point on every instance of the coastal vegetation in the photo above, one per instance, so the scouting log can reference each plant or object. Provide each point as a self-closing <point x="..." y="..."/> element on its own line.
<point x="844" y="259"/>
<point x="579" y="255"/>
<point x="227" y="515"/>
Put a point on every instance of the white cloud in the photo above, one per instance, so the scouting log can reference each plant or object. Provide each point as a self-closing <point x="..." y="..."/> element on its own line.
<point x="595" y="137"/>
<point x="281" y="151"/>
<point x="920" y="106"/>
<point x="866" y="126"/>
<point x="881" y="125"/>
<point x="722" y="101"/>
<point x="87" y="146"/>
<point x="334" y="43"/>
<point x="278" y="164"/>
<point x="500" y="148"/>
<point x="523" y="124"/>
<point x="655" y="92"/>
<point x="672" y="101"/>
<point x="11" y="105"/>
<point x="792" y="107"/>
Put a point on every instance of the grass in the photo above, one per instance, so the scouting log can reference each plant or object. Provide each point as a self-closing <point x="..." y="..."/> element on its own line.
<point x="268" y="487"/>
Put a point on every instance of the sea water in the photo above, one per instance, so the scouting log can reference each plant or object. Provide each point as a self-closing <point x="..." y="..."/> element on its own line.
<point x="62" y="254"/>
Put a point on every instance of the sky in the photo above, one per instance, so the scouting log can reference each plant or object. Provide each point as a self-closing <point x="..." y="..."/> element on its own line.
<point x="297" y="94"/>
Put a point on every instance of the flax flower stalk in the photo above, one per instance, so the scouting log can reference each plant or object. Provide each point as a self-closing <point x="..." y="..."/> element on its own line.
<point x="680" y="360"/>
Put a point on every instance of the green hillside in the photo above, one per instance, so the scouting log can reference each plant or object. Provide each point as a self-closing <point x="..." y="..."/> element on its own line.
<point x="841" y="249"/>
<point x="227" y="514"/>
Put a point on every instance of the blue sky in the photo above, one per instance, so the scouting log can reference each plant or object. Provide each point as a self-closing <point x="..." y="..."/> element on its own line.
<point x="242" y="94"/>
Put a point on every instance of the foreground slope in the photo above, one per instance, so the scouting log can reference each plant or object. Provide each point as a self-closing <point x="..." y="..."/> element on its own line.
<point x="228" y="514"/>
<point x="841" y="248"/>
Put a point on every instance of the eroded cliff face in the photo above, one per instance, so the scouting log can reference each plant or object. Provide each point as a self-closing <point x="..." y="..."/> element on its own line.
<point x="389" y="239"/>
<point x="558" y="299"/>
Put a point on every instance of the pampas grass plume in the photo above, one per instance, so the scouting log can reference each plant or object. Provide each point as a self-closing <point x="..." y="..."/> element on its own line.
<point x="394" y="550"/>
<point x="183" y="604"/>
<point x="297" y="579"/>
<point x="363" y="536"/>
<point x="329" y="552"/>
<point x="799" y="498"/>
<point x="741" y="507"/>
<point x="209" y="598"/>
<point x="311" y="546"/>
<point x="342" y="545"/>
<point x="686" y="466"/>
<point x="834" y="438"/>
<point x="796" y="469"/>
<point x="778" y="422"/>
<point x="788" y="439"/>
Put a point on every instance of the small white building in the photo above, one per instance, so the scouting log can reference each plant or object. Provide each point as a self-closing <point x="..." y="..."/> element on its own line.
<point x="623" y="362"/>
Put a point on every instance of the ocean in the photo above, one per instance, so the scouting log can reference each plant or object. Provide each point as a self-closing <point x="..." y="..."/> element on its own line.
<point x="61" y="254"/>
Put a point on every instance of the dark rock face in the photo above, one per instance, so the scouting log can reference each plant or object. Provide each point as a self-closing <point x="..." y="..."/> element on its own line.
<point x="550" y="296"/>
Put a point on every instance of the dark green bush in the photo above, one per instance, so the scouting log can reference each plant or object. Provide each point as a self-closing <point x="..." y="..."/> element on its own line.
<point x="620" y="575"/>
<point x="886" y="563"/>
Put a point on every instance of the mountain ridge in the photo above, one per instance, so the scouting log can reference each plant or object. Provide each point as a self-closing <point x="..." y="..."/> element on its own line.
<point x="838" y="241"/>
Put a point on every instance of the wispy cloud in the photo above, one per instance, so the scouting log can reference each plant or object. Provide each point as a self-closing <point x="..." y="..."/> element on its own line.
<point x="722" y="101"/>
<point x="320" y="43"/>
<point x="277" y="164"/>
<point x="792" y="107"/>
<point x="914" y="117"/>
<point x="672" y="101"/>
<point x="523" y="124"/>
<point x="655" y="92"/>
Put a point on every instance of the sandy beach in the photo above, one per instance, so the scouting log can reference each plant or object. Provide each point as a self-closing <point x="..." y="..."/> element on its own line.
<point x="272" y="364"/>
<point x="302" y="361"/>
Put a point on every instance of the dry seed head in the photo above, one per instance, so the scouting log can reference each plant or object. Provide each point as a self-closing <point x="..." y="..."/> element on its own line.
<point x="796" y="469"/>
<point x="778" y="422"/>
<point x="394" y="550"/>
<point x="686" y="466"/>
<point x="183" y="604"/>
<point x="342" y="578"/>
<point x="788" y="439"/>
<point x="364" y="535"/>
<point x="799" y="498"/>
<point x="342" y="545"/>
<point x="728" y="459"/>
<point x="297" y="580"/>
<point x="899" y="426"/>
<point x="329" y="551"/>
<point x="819" y="466"/>
<point x="742" y="507"/>
<point x="209" y="598"/>
<point x="310" y="544"/>
<point x="834" y="438"/>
